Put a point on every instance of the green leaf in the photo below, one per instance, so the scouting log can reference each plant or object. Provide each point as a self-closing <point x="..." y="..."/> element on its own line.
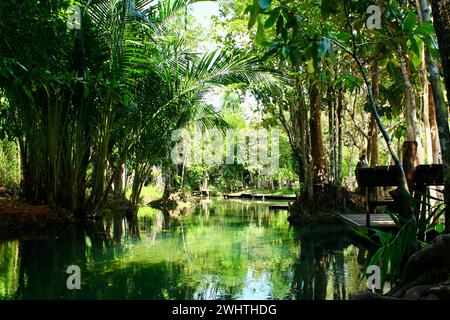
<point x="264" y="4"/>
<point x="284" y="34"/>
<point x="280" y="24"/>
<point x="415" y="45"/>
<point x="411" y="21"/>
<point x="366" y="107"/>
<point x="440" y="228"/>
<point x="343" y="36"/>
<point x="327" y="8"/>
<point x="376" y="257"/>
<point x="272" y="19"/>
<point x="273" y="48"/>
<point x="285" y="52"/>
<point x="86" y="92"/>
<point x="416" y="60"/>
<point x="425" y="29"/>
<point x="22" y="66"/>
<point x="27" y="91"/>
<point x="254" y="12"/>
<point x="260" y="34"/>
<point x="434" y="52"/>
<point x="295" y="57"/>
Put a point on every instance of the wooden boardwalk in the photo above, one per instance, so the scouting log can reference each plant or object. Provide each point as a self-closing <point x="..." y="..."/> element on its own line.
<point x="259" y="196"/>
<point x="380" y="221"/>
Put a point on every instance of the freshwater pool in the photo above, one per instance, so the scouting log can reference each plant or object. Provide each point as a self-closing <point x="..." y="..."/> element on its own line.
<point x="220" y="249"/>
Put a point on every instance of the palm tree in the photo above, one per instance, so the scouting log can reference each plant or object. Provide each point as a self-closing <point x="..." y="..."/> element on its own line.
<point x="173" y="96"/>
<point x="87" y="99"/>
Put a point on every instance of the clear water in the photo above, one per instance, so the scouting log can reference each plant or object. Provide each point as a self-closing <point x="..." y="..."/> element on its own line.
<point x="217" y="250"/>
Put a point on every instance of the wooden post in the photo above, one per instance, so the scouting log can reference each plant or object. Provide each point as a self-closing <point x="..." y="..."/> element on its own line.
<point x="409" y="161"/>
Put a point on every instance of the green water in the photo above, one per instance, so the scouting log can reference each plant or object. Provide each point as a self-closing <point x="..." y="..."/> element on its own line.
<point x="217" y="250"/>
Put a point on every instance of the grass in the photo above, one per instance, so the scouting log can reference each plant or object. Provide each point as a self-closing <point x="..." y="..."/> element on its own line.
<point x="149" y="193"/>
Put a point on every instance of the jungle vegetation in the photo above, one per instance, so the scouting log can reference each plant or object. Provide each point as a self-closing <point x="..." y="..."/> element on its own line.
<point x="87" y="113"/>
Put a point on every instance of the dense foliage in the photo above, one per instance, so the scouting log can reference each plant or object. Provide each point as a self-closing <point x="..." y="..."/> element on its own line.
<point x="88" y="112"/>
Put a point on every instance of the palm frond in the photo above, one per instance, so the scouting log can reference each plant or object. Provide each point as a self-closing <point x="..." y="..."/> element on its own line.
<point x="204" y="117"/>
<point x="218" y="68"/>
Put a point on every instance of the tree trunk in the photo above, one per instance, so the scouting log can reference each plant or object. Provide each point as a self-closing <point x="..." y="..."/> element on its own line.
<point x="432" y="88"/>
<point x="317" y="147"/>
<point x="441" y="14"/>
<point x="167" y="183"/>
<point x="403" y="185"/>
<point x="340" y="108"/>
<point x="299" y="139"/>
<point x="426" y="111"/>
<point x="118" y="186"/>
<point x="295" y="130"/>
<point x="431" y="133"/>
<point x="372" y="143"/>
<point x="305" y="138"/>
<point x="332" y="135"/>
<point x="435" y="146"/>
<point x="411" y="111"/>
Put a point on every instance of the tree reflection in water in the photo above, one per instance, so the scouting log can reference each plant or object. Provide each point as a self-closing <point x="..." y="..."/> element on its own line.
<point x="217" y="250"/>
<point x="321" y="271"/>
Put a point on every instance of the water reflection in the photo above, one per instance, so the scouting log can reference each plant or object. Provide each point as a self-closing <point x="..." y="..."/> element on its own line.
<point x="217" y="250"/>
